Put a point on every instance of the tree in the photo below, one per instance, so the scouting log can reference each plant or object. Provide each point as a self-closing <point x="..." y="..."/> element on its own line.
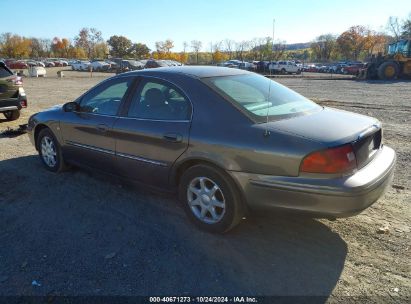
<point x="120" y="46"/>
<point x="394" y="27"/>
<point x="323" y="47"/>
<point x="406" y="27"/>
<point x="196" y="46"/>
<point x="87" y="39"/>
<point x="164" y="46"/>
<point x="229" y="46"/>
<point x="354" y="41"/>
<point x="140" y="50"/>
<point x="15" y="46"/>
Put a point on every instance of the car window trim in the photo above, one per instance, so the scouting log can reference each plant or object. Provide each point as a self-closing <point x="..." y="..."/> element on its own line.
<point x="138" y="90"/>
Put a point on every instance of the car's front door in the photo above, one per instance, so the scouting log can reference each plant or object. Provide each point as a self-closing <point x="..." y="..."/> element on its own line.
<point x="153" y="132"/>
<point x="87" y="133"/>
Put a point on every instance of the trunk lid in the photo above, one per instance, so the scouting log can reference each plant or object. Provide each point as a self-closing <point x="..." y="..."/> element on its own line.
<point x="332" y="127"/>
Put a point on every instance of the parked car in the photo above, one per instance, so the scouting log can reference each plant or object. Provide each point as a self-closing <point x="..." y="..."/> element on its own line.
<point x="99" y="65"/>
<point x="352" y="69"/>
<point x="12" y="95"/>
<point x="80" y="65"/>
<point x="284" y="67"/>
<point x="16" y="64"/>
<point x="49" y="64"/>
<point x="227" y="140"/>
<point x="37" y="71"/>
<point x="151" y="64"/>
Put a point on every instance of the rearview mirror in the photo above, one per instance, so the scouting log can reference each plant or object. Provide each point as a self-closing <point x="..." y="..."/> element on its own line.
<point x="71" y="107"/>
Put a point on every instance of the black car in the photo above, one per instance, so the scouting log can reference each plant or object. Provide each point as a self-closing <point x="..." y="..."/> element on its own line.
<point x="12" y="95"/>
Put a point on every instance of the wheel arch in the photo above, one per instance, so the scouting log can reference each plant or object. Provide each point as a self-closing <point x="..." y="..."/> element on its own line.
<point x="179" y="169"/>
<point x="37" y="131"/>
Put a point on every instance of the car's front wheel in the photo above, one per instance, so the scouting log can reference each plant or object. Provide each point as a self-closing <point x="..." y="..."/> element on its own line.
<point x="50" y="151"/>
<point x="210" y="199"/>
<point x="12" y="115"/>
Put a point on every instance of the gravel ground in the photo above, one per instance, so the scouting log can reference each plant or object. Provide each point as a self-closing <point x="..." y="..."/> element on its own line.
<point x="81" y="233"/>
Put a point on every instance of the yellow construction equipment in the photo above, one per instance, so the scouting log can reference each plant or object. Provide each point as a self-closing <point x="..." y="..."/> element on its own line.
<point x="395" y="64"/>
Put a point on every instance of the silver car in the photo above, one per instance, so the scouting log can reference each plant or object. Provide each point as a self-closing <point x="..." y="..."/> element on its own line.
<point x="228" y="141"/>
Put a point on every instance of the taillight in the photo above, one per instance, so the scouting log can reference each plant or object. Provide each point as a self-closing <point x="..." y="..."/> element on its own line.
<point x="16" y="80"/>
<point x="333" y="160"/>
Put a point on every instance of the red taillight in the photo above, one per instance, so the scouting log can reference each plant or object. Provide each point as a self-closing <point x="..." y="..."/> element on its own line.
<point x="23" y="103"/>
<point x="334" y="160"/>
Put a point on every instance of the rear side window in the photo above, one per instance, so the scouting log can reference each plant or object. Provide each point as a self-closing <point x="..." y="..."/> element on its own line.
<point x="4" y="72"/>
<point x="159" y="100"/>
<point x="261" y="97"/>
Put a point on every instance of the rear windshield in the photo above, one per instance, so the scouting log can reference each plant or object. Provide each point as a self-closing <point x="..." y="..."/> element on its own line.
<point x="261" y="97"/>
<point x="4" y="72"/>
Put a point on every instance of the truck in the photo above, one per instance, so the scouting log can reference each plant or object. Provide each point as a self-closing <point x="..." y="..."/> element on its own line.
<point x="284" y="67"/>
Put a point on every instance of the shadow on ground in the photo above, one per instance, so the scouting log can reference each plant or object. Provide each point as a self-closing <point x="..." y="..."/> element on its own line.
<point x="85" y="234"/>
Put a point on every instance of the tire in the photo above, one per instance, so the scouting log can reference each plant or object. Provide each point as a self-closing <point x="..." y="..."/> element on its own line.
<point x="12" y="115"/>
<point x="50" y="151"/>
<point x="388" y="70"/>
<point x="226" y="201"/>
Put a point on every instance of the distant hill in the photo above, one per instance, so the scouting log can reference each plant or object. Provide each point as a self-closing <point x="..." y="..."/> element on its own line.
<point x="297" y="46"/>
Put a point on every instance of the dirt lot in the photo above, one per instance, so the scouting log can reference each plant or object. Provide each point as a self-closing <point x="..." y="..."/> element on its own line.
<point x="79" y="233"/>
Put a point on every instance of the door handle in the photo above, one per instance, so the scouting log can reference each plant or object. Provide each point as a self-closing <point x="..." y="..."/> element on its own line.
<point x="102" y="128"/>
<point x="173" y="137"/>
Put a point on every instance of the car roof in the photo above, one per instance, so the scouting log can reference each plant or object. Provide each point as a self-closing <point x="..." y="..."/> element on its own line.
<point x="192" y="71"/>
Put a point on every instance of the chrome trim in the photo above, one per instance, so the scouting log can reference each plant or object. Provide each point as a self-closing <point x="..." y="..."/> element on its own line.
<point x="141" y="159"/>
<point x="148" y="119"/>
<point x="370" y="130"/>
<point x="90" y="147"/>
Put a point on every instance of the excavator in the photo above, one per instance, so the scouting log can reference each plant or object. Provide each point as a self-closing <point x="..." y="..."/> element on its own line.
<point x="395" y="64"/>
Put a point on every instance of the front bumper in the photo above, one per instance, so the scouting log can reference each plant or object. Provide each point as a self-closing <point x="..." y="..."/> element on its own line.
<point x="328" y="197"/>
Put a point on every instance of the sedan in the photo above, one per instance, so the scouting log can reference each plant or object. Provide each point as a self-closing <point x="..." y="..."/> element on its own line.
<point x="227" y="141"/>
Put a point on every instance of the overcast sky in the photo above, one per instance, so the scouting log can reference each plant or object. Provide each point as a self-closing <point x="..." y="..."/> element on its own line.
<point x="206" y="20"/>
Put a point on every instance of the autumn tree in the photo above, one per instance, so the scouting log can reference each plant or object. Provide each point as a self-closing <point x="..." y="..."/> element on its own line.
<point x="15" y="46"/>
<point x="354" y="41"/>
<point x="87" y="39"/>
<point x="196" y="46"/>
<point x="119" y="46"/>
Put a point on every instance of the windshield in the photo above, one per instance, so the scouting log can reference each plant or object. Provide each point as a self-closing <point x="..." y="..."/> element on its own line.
<point x="261" y="96"/>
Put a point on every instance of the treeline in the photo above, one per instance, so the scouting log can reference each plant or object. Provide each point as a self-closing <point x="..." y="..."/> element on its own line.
<point x="356" y="43"/>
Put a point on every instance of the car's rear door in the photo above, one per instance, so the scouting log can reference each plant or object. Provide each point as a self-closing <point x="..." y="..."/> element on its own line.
<point x="87" y="133"/>
<point x="153" y="132"/>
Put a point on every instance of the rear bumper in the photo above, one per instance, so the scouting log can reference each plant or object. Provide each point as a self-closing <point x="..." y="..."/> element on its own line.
<point x="331" y="197"/>
<point x="10" y="104"/>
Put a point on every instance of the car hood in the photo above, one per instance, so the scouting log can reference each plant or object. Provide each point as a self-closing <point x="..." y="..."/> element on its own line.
<point x="328" y="126"/>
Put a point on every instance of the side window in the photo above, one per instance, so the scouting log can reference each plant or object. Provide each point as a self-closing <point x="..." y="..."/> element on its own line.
<point x="105" y="99"/>
<point x="159" y="100"/>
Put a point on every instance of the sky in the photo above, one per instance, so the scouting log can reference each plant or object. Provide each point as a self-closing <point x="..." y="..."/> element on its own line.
<point x="209" y="21"/>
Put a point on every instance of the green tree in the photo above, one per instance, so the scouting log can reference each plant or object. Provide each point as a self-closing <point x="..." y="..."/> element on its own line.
<point x="119" y="46"/>
<point x="139" y="51"/>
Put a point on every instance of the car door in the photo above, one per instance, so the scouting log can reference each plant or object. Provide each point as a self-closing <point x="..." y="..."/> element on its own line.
<point x="87" y="132"/>
<point x="153" y="132"/>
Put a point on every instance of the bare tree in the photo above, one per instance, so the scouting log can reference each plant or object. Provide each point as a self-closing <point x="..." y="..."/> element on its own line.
<point x="196" y="46"/>
<point x="394" y="27"/>
<point x="240" y="48"/>
<point x="229" y="47"/>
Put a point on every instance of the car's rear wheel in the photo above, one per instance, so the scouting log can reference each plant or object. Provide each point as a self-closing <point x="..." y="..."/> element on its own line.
<point x="12" y="115"/>
<point x="210" y="199"/>
<point x="50" y="151"/>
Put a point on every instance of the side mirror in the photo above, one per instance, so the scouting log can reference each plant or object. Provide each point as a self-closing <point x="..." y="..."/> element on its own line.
<point x="71" y="107"/>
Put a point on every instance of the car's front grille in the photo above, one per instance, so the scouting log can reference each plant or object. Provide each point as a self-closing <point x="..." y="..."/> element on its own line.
<point x="366" y="147"/>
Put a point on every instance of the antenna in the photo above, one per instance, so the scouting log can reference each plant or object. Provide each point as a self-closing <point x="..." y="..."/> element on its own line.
<point x="267" y="132"/>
